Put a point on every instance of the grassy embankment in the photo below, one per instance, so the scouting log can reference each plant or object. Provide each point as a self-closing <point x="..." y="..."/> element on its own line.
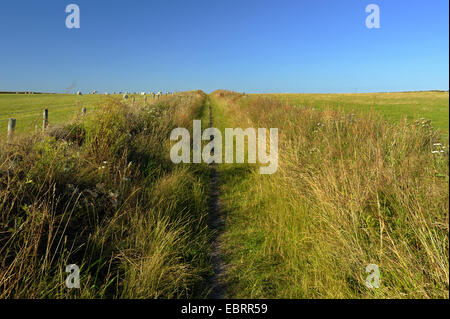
<point x="102" y="193"/>
<point x="349" y="191"/>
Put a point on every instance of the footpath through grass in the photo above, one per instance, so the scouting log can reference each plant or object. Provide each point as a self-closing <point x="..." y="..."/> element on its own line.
<point x="349" y="191"/>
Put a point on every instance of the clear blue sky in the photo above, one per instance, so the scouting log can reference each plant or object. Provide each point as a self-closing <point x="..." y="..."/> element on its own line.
<point x="245" y="45"/>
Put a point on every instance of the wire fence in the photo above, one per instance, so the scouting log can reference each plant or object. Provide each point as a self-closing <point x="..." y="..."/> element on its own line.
<point x="28" y="119"/>
<point x="28" y="113"/>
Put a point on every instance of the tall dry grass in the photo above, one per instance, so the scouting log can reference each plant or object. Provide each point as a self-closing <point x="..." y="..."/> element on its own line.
<point x="350" y="191"/>
<point x="102" y="193"/>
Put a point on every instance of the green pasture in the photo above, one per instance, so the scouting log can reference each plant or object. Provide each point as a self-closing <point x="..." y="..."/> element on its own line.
<point x="431" y="105"/>
<point x="27" y="109"/>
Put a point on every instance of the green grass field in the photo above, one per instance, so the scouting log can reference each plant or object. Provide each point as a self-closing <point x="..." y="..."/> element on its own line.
<point x="102" y="192"/>
<point x="218" y="159"/>
<point x="27" y="109"/>
<point x="394" y="106"/>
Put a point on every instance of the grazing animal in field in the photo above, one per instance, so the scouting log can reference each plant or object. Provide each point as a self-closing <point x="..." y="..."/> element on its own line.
<point x="125" y="96"/>
<point x="79" y="93"/>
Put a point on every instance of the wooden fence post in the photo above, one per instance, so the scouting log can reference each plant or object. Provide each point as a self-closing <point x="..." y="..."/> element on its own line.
<point x="11" y="129"/>
<point x="45" y="122"/>
<point x="132" y="101"/>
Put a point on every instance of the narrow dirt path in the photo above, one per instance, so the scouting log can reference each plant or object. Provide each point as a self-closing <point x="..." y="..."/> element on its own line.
<point x="216" y="224"/>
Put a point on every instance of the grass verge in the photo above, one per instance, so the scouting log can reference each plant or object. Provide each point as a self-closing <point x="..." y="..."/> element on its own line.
<point x="102" y="193"/>
<point x="349" y="191"/>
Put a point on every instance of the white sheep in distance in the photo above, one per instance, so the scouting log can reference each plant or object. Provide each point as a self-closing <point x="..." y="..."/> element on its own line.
<point x="125" y="96"/>
<point x="79" y="93"/>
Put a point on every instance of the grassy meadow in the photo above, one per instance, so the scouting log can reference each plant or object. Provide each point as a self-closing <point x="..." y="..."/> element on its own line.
<point x="431" y="105"/>
<point x="101" y="192"/>
<point x="27" y="109"/>
<point x="362" y="179"/>
<point x="349" y="191"/>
